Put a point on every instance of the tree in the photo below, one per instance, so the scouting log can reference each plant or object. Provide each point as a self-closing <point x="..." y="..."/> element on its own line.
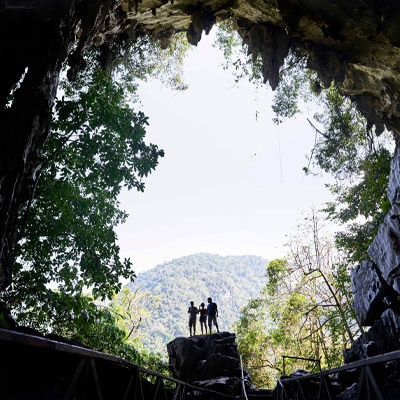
<point x="84" y="321"/>
<point x="68" y="237"/>
<point x="360" y="162"/>
<point x="67" y="241"/>
<point x="346" y="146"/>
<point x="303" y="310"/>
<point x="133" y="307"/>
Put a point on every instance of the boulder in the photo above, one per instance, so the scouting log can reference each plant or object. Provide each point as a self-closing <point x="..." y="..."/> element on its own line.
<point x="369" y="293"/>
<point x="382" y="337"/>
<point x="210" y="361"/>
<point x="385" y="248"/>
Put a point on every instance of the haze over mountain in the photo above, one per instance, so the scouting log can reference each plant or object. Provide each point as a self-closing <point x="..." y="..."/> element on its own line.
<point x="229" y="280"/>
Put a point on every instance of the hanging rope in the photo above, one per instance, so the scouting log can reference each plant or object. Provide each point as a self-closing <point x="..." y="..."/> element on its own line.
<point x="280" y="157"/>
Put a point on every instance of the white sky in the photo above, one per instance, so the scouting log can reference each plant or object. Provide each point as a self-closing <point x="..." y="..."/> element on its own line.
<point x="220" y="187"/>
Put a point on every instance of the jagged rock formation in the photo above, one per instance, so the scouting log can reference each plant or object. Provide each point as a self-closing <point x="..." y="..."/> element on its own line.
<point x="376" y="283"/>
<point x="209" y="361"/>
<point x="355" y="43"/>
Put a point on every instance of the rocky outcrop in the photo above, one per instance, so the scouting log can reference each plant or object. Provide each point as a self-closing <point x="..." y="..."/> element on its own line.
<point x="369" y="293"/>
<point x="209" y="361"/>
<point x="382" y="337"/>
<point x="376" y="283"/>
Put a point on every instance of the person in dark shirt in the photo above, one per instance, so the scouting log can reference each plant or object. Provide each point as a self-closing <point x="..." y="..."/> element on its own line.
<point x="203" y="317"/>
<point x="212" y="311"/>
<point x="193" y="311"/>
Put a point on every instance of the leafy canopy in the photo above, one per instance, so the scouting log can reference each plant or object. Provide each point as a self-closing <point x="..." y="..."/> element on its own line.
<point x="304" y="309"/>
<point x="346" y="146"/>
<point x="67" y="244"/>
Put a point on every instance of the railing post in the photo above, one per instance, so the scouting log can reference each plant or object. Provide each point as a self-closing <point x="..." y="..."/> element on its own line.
<point x="300" y="391"/>
<point x="128" y="388"/>
<point x="96" y="379"/>
<point x="74" y="380"/>
<point x="373" y="383"/>
<point x="244" y="394"/>
<point x="160" y="389"/>
<point x="324" y="392"/>
<point x="139" y="384"/>
<point x="367" y="379"/>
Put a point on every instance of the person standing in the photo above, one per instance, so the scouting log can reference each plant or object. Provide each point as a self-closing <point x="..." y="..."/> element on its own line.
<point x="212" y="311"/>
<point x="203" y="317"/>
<point x="193" y="311"/>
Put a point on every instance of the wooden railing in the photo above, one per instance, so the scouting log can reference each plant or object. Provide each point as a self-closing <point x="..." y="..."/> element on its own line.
<point x="32" y="367"/>
<point x="368" y="374"/>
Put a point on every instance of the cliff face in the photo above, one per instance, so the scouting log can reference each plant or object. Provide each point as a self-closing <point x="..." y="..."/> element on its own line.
<point x="355" y="43"/>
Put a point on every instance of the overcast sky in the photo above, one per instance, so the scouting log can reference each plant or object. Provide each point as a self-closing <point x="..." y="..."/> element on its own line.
<point x="230" y="183"/>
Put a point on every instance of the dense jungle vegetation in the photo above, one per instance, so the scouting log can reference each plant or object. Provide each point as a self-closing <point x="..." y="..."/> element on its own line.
<point x="67" y="279"/>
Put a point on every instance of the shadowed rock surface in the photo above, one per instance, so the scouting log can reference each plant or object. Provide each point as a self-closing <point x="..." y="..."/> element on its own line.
<point x="376" y="283"/>
<point x="210" y="361"/>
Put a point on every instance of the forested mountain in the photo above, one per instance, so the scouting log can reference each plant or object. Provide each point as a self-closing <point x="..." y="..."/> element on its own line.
<point x="229" y="280"/>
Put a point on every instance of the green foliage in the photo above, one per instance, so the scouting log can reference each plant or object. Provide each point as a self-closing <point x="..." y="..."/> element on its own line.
<point x="295" y="79"/>
<point x="304" y="310"/>
<point x="3" y="323"/>
<point x="96" y="147"/>
<point x="132" y="308"/>
<point x="346" y="139"/>
<point x="295" y="82"/>
<point x="145" y="58"/>
<point x="80" y="319"/>
<point x="366" y="199"/>
<point x="276" y="272"/>
<point x="230" y="281"/>
<point x="67" y="241"/>
<point x="237" y="59"/>
<point x="346" y="147"/>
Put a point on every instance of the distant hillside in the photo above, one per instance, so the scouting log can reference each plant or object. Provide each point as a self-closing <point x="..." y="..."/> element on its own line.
<point x="230" y="281"/>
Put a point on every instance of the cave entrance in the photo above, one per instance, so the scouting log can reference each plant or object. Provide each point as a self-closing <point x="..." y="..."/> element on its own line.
<point x="356" y="47"/>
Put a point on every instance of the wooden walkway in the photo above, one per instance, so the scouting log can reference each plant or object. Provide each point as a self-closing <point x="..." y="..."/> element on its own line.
<point x="33" y="367"/>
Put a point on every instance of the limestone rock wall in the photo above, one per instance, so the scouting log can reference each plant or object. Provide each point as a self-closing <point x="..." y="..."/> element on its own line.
<point x="376" y="283"/>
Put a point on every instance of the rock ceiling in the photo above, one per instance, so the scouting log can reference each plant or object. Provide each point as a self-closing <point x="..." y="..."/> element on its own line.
<point x="355" y="43"/>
